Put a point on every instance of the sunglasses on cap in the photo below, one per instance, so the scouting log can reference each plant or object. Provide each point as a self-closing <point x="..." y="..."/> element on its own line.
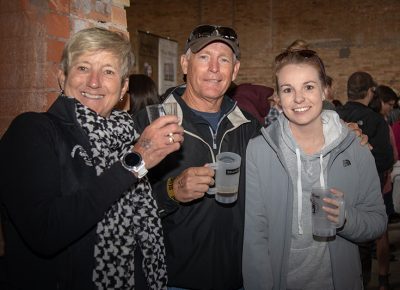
<point x="213" y="30"/>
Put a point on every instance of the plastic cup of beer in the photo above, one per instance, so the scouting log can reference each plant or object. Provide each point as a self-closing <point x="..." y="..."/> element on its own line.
<point x="227" y="172"/>
<point x="158" y="110"/>
<point x="321" y="226"/>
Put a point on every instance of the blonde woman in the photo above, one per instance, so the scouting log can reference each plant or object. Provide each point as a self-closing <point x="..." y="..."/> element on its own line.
<point x="307" y="147"/>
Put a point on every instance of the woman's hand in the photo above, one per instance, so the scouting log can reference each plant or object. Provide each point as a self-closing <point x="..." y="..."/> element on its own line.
<point x="160" y="138"/>
<point x="335" y="208"/>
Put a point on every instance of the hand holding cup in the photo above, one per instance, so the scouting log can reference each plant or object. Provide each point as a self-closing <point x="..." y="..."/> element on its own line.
<point x="162" y="137"/>
<point x="192" y="183"/>
<point x="335" y="207"/>
<point x="327" y="211"/>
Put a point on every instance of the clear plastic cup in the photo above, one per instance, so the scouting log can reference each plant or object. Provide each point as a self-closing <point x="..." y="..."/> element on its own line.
<point x="158" y="110"/>
<point x="227" y="172"/>
<point x="321" y="226"/>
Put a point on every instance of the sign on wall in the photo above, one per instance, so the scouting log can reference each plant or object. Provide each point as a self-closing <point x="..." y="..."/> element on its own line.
<point x="158" y="58"/>
<point x="167" y="64"/>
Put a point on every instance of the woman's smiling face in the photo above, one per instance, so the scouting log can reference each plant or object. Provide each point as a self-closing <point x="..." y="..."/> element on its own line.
<point x="94" y="79"/>
<point x="301" y="93"/>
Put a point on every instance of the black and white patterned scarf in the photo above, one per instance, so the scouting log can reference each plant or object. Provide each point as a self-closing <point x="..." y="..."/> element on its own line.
<point x="132" y="221"/>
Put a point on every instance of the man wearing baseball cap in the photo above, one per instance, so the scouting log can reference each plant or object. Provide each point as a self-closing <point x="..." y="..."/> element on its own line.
<point x="360" y="91"/>
<point x="204" y="237"/>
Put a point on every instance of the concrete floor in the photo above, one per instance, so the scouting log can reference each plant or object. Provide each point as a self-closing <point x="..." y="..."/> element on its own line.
<point x="394" y="279"/>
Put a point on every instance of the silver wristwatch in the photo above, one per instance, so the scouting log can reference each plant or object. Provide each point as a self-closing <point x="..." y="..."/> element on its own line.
<point x="134" y="162"/>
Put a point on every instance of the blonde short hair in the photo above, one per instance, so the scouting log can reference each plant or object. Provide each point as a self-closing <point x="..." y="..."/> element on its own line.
<point x="95" y="39"/>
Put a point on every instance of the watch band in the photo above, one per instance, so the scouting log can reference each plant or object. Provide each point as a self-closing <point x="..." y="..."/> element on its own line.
<point x="141" y="169"/>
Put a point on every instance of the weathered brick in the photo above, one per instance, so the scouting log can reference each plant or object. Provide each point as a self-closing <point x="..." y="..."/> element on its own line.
<point x="32" y="34"/>
<point x="60" y="6"/>
<point x="57" y="25"/>
<point x="54" y="49"/>
<point x="52" y="76"/>
<point x="369" y="29"/>
<point x="118" y="16"/>
<point x="121" y="3"/>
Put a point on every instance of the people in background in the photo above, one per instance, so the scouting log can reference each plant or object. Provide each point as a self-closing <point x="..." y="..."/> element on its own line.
<point x="337" y="103"/>
<point x="327" y="103"/>
<point x="79" y="213"/>
<point x="395" y="113"/>
<point x="307" y="147"/>
<point x="142" y="92"/>
<point x="360" y="91"/>
<point x="203" y="237"/>
<point x="253" y="99"/>
<point x="275" y="109"/>
<point x="383" y="102"/>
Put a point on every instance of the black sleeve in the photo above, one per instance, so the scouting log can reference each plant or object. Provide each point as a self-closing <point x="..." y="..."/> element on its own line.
<point x="382" y="149"/>
<point x="49" y="214"/>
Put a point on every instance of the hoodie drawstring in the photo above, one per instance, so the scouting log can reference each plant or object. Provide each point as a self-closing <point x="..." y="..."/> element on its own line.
<point x="299" y="193"/>
<point x="321" y="174"/>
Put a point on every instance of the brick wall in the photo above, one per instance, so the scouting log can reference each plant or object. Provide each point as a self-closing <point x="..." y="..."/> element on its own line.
<point x="33" y="34"/>
<point x="349" y="35"/>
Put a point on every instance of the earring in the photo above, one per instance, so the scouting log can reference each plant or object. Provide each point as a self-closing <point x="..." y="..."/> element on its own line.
<point x="61" y="88"/>
<point x="323" y="97"/>
<point x="121" y="99"/>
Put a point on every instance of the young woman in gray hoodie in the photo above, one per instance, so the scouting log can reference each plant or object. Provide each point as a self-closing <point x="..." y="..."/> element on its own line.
<point x="307" y="147"/>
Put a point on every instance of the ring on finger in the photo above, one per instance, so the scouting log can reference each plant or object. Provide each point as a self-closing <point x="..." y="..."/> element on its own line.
<point x="171" y="138"/>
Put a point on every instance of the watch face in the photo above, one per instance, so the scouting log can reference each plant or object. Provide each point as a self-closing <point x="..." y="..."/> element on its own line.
<point x="132" y="159"/>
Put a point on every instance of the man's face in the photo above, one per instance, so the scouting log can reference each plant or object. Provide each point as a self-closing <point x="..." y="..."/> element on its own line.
<point x="210" y="71"/>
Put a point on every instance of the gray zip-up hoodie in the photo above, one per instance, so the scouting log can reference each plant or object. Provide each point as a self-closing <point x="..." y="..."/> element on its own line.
<point x="279" y="251"/>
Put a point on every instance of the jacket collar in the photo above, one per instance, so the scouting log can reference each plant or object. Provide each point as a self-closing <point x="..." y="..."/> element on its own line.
<point x="64" y="109"/>
<point x="228" y="107"/>
<point x="272" y="135"/>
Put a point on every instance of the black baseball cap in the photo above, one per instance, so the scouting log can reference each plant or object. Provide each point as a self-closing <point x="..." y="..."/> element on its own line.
<point x="203" y="35"/>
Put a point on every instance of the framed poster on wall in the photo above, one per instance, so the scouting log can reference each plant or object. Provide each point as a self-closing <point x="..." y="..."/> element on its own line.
<point x="167" y="64"/>
<point x="158" y="59"/>
<point x="148" y="55"/>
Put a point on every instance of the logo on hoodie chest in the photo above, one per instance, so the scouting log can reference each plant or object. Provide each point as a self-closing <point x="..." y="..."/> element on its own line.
<point x="346" y="163"/>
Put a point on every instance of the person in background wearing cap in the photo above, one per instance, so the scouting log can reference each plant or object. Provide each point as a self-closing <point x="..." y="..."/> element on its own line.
<point x="360" y="91"/>
<point x="204" y="238"/>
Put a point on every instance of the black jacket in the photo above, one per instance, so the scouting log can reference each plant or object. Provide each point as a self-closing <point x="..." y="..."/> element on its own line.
<point x="52" y="200"/>
<point x="203" y="238"/>
<point x="375" y="127"/>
